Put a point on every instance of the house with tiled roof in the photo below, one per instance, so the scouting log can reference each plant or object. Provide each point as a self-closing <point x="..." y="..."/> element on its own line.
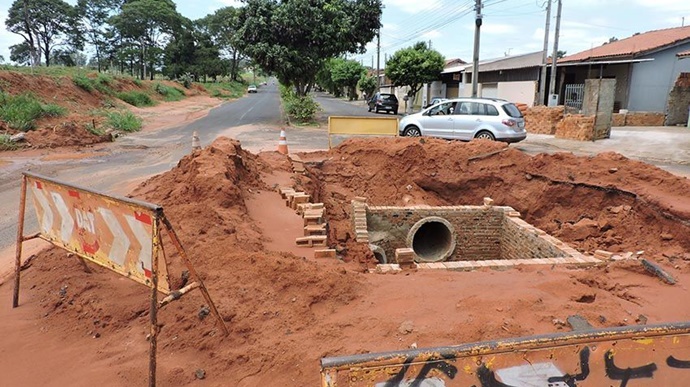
<point x="646" y="67"/>
<point x="514" y="78"/>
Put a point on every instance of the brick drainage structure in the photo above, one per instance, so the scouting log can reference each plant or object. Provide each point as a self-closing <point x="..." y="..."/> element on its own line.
<point x="458" y="237"/>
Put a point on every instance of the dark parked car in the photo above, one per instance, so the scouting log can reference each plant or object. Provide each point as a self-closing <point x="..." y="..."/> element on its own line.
<point x="385" y="102"/>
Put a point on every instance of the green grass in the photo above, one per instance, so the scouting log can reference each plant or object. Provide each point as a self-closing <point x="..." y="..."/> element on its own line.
<point x="91" y="128"/>
<point x="124" y="121"/>
<point x="83" y="82"/>
<point x="136" y="98"/>
<point x="225" y="89"/>
<point x="6" y="144"/>
<point x="21" y="111"/>
<point x="169" y="93"/>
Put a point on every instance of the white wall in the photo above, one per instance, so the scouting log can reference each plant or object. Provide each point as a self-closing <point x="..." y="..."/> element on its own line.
<point x="523" y="92"/>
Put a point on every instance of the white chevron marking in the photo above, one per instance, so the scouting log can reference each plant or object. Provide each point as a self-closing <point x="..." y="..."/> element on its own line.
<point x="67" y="222"/>
<point x="47" y="219"/>
<point x="118" y="251"/>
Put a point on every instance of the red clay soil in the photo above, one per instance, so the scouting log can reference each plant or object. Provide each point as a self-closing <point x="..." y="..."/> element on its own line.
<point x="285" y="312"/>
<point x="71" y="130"/>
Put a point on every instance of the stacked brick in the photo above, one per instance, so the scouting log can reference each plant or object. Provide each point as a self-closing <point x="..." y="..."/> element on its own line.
<point x="645" y="119"/>
<point x="618" y="119"/>
<point x="313" y="219"/>
<point x="576" y="127"/>
<point x="359" y="211"/>
<point x="297" y="164"/>
<point x="543" y="119"/>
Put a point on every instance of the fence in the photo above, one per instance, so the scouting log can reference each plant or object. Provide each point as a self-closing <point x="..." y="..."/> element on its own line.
<point x="574" y="95"/>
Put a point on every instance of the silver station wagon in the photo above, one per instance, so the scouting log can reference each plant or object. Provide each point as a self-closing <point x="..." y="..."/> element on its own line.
<point x="467" y="118"/>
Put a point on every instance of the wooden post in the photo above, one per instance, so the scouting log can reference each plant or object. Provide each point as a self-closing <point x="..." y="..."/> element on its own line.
<point x="20" y="241"/>
<point x="153" y="312"/>
<point x="193" y="273"/>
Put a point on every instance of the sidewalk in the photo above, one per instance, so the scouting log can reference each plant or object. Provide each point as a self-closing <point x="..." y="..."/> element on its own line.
<point x="667" y="147"/>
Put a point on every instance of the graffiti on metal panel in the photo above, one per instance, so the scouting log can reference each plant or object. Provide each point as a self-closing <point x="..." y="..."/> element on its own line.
<point x="625" y="374"/>
<point x="546" y="373"/>
<point x="443" y="366"/>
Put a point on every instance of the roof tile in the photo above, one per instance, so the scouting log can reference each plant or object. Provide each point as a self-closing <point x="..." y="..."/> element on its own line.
<point x="634" y="45"/>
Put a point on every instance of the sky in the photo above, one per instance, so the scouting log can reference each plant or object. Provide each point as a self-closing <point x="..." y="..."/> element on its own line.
<point x="510" y="27"/>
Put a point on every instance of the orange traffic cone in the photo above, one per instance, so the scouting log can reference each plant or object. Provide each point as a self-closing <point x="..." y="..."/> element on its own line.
<point x="282" y="143"/>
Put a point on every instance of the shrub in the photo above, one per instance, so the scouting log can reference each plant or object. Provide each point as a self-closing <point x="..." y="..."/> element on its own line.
<point x="83" y="82"/>
<point x="136" y="98"/>
<point x="124" y="121"/>
<point x="102" y="83"/>
<point x="299" y="108"/>
<point x="138" y="82"/>
<point x="169" y="93"/>
<point x="22" y="110"/>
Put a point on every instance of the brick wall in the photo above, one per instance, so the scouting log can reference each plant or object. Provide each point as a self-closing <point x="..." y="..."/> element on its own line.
<point x="618" y="119"/>
<point x="576" y="127"/>
<point x="543" y="119"/>
<point x="679" y="101"/>
<point x="644" y="119"/>
<point x="521" y="241"/>
<point x="482" y="232"/>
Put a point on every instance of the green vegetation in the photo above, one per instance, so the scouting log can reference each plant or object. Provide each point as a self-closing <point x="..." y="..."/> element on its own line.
<point x="298" y="107"/>
<point x="91" y="128"/>
<point x="338" y="73"/>
<point x="225" y="90"/>
<point x="83" y="82"/>
<point x="414" y="66"/>
<point x="6" y="143"/>
<point x="136" y="98"/>
<point x="125" y="121"/>
<point x="169" y="93"/>
<point x="21" y="111"/>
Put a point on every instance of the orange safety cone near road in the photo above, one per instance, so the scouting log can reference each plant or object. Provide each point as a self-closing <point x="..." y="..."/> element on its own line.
<point x="282" y="143"/>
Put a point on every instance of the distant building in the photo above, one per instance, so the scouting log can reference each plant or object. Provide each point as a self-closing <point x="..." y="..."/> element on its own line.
<point x="645" y="66"/>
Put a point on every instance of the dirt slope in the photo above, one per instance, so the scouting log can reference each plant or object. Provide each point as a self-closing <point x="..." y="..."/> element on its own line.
<point x="285" y="312"/>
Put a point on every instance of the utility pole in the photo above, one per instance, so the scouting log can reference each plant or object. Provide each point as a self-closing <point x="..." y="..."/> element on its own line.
<point x="378" y="60"/>
<point x="545" y="55"/>
<point x="552" y="83"/>
<point x="477" y="26"/>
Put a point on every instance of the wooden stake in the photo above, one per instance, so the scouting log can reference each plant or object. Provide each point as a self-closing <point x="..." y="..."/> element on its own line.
<point x="193" y="273"/>
<point x="19" y="242"/>
<point x="153" y="312"/>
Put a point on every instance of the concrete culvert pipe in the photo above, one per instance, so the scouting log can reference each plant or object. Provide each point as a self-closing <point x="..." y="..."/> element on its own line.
<point x="432" y="239"/>
<point x="379" y="253"/>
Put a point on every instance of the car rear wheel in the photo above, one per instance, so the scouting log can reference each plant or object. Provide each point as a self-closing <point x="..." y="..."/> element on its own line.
<point x="412" y="131"/>
<point x="485" y="135"/>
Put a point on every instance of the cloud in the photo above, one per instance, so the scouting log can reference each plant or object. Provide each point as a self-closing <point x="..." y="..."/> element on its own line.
<point x="413" y="6"/>
<point x="666" y="5"/>
<point x="231" y="3"/>
<point x="7" y="38"/>
<point x="433" y="34"/>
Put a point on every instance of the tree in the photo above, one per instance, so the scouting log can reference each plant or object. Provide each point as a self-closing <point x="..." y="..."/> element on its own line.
<point x="44" y="25"/>
<point x="368" y="85"/>
<point x="346" y="73"/>
<point x="222" y="27"/>
<point x="414" y="66"/>
<point x="147" y="24"/>
<point x="21" y="53"/>
<point x="292" y="38"/>
<point x="94" y="16"/>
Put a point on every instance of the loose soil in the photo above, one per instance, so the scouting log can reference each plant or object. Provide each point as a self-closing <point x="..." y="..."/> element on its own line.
<point x="83" y="106"/>
<point x="285" y="311"/>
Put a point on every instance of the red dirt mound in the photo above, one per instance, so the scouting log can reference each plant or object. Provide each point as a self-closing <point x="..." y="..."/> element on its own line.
<point x="67" y="132"/>
<point x="285" y="312"/>
<point x="604" y="202"/>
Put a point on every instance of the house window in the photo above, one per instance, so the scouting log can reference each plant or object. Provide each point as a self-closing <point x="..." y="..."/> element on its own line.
<point x="456" y="76"/>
